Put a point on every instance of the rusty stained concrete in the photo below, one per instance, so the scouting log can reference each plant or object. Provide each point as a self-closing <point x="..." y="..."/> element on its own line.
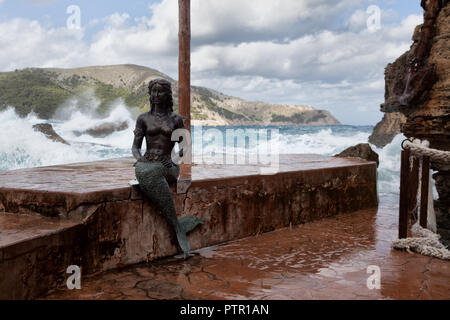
<point x="99" y="222"/>
<point x="324" y="259"/>
<point x="65" y="191"/>
<point x="58" y="190"/>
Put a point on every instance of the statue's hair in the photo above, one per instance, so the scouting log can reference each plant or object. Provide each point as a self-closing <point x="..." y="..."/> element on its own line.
<point x="166" y="86"/>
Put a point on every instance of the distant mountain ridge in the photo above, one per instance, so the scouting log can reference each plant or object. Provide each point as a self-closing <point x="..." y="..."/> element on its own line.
<point x="44" y="90"/>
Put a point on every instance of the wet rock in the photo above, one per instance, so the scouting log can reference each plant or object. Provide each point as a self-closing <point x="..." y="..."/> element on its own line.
<point x="362" y="150"/>
<point x="395" y="81"/>
<point x="105" y="129"/>
<point x="49" y="132"/>
<point x="386" y="130"/>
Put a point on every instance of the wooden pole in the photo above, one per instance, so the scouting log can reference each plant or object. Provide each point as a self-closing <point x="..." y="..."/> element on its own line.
<point x="403" y="210"/>
<point x="413" y="185"/>
<point x="184" y="62"/>
<point x="424" y="191"/>
<point x="184" y="87"/>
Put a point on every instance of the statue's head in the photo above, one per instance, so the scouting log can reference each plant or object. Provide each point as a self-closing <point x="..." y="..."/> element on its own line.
<point x="160" y="91"/>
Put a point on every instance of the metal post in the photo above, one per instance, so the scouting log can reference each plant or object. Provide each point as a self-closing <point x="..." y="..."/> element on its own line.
<point x="184" y="87"/>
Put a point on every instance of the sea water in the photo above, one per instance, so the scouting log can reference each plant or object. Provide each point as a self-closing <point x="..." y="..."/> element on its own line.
<point x="22" y="147"/>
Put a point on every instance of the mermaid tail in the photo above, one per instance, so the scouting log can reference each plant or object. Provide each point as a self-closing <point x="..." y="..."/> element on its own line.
<point x="152" y="177"/>
<point x="183" y="242"/>
<point x="186" y="224"/>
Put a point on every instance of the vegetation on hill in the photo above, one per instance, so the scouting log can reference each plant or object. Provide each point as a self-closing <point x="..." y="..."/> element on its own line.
<point x="300" y="118"/>
<point x="31" y="90"/>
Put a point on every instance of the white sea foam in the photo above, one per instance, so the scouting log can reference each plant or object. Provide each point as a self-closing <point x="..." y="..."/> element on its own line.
<point x="325" y="142"/>
<point x="389" y="169"/>
<point x="22" y="147"/>
<point x="80" y="121"/>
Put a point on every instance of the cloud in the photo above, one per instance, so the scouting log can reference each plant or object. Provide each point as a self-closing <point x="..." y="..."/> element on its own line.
<point x="27" y="43"/>
<point x="235" y="21"/>
<point x="327" y="56"/>
<point x="342" y="72"/>
<point x="406" y="28"/>
<point x="120" y="41"/>
<point x="358" y="20"/>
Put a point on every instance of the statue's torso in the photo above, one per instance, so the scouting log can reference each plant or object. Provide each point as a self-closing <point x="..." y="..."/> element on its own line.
<point x="158" y="132"/>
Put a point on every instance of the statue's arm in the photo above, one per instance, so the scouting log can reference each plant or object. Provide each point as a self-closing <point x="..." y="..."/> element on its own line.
<point x="139" y="134"/>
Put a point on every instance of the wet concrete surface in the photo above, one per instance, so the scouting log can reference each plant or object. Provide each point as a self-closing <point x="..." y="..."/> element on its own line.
<point x="17" y="228"/>
<point x="100" y="176"/>
<point x="326" y="259"/>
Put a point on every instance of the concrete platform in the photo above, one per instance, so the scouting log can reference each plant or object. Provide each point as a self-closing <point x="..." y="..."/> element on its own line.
<point x="88" y="215"/>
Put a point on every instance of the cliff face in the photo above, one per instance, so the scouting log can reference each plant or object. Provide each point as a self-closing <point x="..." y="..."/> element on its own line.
<point x="44" y="90"/>
<point x="431" y="118"/>
<point x="386" y="130"/>
<point x="418" y="86"/>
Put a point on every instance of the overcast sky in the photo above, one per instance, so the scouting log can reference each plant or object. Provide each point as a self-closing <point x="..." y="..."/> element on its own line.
<point x="306" y="52"/>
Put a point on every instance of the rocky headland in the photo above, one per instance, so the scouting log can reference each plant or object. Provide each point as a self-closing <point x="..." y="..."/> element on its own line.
<point x="46" y="91"/>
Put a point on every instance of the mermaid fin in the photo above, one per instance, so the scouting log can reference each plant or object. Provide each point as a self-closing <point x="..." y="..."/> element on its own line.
<point x="189" y="223"/>
<point x="186" y="224"/>
<point x="183" y="242"/>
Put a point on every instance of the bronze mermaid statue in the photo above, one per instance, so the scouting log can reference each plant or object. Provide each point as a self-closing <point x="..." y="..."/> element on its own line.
<point x="155" y="170"/>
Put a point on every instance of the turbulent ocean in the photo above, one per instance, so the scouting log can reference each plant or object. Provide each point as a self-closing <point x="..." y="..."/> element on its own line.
<point x="22" y="147"/>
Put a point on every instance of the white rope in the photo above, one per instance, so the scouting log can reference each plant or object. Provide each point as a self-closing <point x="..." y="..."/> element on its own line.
<point x="422" y="148"/>
<point x="425" y="242"/>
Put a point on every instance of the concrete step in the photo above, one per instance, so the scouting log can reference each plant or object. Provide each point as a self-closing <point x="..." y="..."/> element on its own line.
<point x="18" y="228"/>
<point x="34" y="250"/>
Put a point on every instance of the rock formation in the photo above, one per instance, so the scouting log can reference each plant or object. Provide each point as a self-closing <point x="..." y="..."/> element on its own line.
<point x="49" y="132"/>
<point x="418" y="86"/>
<point x="386" y="130"/>
<point x="362" y="150"/>
<point x="105" y="129"/>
